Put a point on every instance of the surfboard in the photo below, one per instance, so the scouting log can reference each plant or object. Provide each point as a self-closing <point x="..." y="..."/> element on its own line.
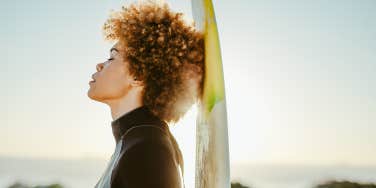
<point x="212" y="151"/>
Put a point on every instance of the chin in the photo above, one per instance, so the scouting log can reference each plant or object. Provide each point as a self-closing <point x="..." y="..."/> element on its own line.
<point x="99" y="97"/>
<point x="92" y="95"/>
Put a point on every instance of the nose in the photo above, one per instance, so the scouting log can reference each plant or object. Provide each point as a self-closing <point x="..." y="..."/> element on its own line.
<point x="99" y="66"/>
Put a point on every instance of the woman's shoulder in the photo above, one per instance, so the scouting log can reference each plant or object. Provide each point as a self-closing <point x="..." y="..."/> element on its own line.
<point x="155" y="138"/>
<point x="150" y="131"/>
<point x="147" y="154"/>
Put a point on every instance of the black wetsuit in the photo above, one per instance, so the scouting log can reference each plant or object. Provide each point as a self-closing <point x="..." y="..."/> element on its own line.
<point x="146" y="154"/>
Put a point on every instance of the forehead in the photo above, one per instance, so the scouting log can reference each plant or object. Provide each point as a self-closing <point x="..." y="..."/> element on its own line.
<point x="117" y="49"/>
<point x="118" y="46"/>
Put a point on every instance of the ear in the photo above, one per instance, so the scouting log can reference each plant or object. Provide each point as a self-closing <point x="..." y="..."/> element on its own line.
<point x="136" y="82"/>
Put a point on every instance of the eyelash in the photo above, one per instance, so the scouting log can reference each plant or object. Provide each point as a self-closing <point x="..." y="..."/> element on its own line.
<point x="110" y="59"/>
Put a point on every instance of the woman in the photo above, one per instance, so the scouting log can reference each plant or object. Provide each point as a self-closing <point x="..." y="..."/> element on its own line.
<point x="153" y="76"/>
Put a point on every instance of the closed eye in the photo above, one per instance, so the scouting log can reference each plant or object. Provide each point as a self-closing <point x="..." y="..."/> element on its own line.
<point x="110" y="59"/>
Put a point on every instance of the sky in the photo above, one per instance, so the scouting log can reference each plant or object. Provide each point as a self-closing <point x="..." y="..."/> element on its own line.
<point x="299" y="80"/>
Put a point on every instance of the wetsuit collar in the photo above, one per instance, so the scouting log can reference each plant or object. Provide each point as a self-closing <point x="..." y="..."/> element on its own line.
<point x="138" y="116"/>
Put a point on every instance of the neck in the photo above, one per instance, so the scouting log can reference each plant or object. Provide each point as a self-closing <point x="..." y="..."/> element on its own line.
<point x="125" y="104"/>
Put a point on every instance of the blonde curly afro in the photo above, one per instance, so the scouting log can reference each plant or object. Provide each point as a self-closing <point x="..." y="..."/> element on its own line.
<point x="163" y="51"/>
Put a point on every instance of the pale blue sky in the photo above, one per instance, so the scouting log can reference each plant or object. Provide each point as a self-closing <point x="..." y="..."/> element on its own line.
<point x="300" y="80"/>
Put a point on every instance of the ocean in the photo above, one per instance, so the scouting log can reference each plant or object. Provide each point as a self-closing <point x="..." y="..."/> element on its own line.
<point x="82" y="173"/>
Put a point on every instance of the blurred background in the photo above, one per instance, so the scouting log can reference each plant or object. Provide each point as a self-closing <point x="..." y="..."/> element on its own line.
<point x="300" y="92"/>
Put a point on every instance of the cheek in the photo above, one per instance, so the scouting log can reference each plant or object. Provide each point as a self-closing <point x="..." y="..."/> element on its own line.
<point x="112" y="84"/>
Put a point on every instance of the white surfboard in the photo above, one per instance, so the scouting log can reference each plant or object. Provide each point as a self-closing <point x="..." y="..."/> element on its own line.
<point x="212" y="152"/>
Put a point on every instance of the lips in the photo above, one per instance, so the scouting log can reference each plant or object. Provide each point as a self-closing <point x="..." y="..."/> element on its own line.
<point x="92" y="81"/>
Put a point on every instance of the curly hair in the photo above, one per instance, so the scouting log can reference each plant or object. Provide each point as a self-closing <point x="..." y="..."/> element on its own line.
<point x="165" y="52"/>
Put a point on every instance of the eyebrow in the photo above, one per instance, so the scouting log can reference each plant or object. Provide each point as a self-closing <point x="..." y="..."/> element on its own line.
<point x="114" y="49"/>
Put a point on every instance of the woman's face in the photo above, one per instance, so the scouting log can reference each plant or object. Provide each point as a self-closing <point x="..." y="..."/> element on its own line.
<point x="112" y="79"/>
